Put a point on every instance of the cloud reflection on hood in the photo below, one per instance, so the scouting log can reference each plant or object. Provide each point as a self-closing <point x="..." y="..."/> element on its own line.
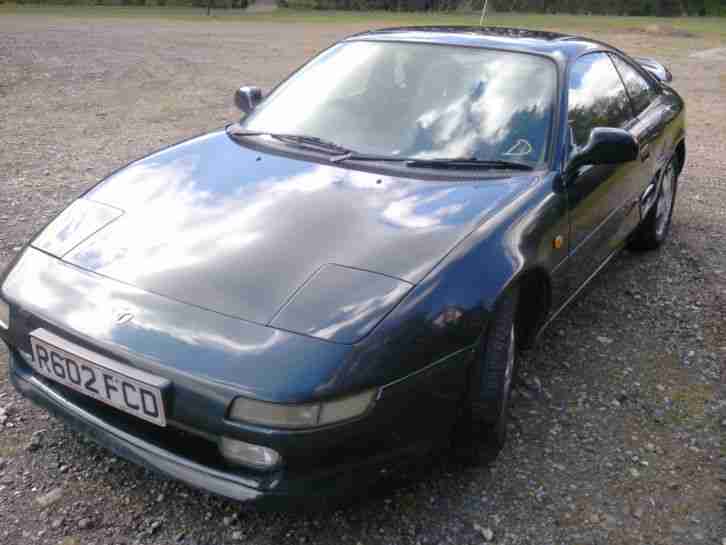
<point x="223" y="227"/>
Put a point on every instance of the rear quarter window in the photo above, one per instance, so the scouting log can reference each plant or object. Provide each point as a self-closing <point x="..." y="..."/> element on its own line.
<point x="641" y="91"/>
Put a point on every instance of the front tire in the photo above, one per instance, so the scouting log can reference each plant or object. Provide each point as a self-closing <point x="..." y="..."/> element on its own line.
<point x="654" y="229"/>
<point x="493" y="372"/>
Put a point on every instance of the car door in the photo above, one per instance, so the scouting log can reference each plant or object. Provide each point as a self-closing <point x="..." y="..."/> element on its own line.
<point x="647" y="127"/>
<point x="602" y="199"/>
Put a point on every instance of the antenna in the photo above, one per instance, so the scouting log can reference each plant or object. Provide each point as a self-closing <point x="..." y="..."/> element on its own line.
<point x="483" y="12"/>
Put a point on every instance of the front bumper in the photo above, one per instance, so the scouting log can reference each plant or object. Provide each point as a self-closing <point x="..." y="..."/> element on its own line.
<point x="126" y="445"/>
<point x="210" y="359"/>
<point x="279" y="489"/>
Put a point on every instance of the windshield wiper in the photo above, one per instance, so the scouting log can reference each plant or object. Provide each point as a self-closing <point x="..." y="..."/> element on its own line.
<point x="298" y="139"/>
<point x="311" y="141"/>
<point x="462" y="163"/>
<point x="353" y="156"/>
<point x="344" y="154"/>
<point x="466" y="163"/>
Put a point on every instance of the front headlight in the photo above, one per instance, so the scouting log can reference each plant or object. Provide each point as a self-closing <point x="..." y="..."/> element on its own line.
<point x="4" y="315"/>
<point x="301" y="416"/>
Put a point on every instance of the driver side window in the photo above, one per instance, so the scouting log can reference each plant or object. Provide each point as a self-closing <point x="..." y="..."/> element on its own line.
<point x="597" y="97"/>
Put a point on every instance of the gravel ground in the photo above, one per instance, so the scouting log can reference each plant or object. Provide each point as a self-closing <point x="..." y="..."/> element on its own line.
<point x="618" y="418"/>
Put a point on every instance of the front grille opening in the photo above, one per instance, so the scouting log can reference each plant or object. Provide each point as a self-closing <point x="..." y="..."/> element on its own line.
<point x="175" y="440"/>
<point x="193" y="447"/>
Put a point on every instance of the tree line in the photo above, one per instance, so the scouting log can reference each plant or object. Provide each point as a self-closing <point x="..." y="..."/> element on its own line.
<point x="191" y="3"/>
<point x="614" y="7"/>
<point x="663" y="8"/>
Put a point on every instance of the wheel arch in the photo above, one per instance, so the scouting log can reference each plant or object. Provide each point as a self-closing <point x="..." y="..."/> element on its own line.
<point x="535" y="300"/>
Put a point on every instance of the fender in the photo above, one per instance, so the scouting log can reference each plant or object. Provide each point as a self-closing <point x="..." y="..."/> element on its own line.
<point x="446" y="313"/>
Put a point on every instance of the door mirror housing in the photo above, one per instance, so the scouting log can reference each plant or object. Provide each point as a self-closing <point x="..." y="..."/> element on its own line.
<point x="606" y="146"/>
<point x="247" y="97"/>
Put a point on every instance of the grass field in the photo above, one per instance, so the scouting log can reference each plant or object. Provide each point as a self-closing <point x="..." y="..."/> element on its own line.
<point x="713" y="27"/>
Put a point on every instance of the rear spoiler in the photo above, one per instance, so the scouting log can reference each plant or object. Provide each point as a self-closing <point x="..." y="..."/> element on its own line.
<point x="655" y="68"/>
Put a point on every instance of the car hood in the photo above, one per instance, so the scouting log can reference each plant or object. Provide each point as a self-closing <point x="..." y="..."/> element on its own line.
<point x="214" y="224"/>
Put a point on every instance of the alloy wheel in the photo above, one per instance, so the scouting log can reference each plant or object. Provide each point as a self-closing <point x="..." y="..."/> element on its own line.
<point x="664" y="206"/>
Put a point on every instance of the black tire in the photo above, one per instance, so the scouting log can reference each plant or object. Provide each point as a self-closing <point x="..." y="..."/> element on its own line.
<point x="654" y="229"/>
<point x="494" y="371"/>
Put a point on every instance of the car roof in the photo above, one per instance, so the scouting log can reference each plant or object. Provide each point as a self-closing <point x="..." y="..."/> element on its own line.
<point x="561" y="46"/>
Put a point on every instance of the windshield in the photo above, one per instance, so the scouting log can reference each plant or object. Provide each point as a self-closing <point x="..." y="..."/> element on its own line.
<point x="420" y="101"/>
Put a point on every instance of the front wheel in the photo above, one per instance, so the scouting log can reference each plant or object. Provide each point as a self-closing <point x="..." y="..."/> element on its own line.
<point x="493" y="372"/>
<point x="653" y="231"/>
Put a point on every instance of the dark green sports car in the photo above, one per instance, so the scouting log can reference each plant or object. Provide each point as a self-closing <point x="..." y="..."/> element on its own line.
<point x="280" y="309"/>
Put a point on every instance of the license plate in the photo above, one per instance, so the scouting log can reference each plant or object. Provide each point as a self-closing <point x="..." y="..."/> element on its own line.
<point x="121" y="386"/>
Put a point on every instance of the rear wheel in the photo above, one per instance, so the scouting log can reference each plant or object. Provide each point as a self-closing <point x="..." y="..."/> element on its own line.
<point x="653" y="231"/>
<point x="493" y="373"/>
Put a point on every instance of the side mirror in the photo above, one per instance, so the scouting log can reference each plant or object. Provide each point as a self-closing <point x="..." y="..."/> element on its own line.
<point x="606" y="146"/>
<point x="246" y="98"/>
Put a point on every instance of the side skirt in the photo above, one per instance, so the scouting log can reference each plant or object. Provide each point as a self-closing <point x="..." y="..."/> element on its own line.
<point x="582" y="286"/>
